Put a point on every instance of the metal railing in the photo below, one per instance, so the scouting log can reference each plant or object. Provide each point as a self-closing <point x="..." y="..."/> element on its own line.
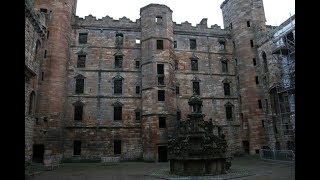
<point x="277" y="155"/>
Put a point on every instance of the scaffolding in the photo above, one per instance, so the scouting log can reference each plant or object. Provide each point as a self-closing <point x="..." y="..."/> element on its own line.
<point x="279" y="82"/>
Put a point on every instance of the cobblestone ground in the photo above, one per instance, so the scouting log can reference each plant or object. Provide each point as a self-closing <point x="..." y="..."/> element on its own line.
<point x="249" y="167"/>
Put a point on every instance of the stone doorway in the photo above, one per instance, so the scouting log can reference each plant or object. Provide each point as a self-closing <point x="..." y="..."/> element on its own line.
<point x="245" y="146"/>
<point x="38" y="152"/>
<point x="162" y="154"/>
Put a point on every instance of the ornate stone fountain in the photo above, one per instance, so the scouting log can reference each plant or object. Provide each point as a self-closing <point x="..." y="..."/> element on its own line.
<point x="194" y="149"/>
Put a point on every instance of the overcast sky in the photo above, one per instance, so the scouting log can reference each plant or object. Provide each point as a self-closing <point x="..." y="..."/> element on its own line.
<point x="276" y="11"/>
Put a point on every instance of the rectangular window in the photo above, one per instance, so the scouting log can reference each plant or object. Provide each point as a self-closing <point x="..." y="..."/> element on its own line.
<point x="238" y="80"/>
<point x="229" y="113"/>
<point x="240" y="99"/>
<point x="159" y="44"/>
<point x="160" y="68"/>
<point x="158" y="19"/>
<point x="257" y="80"/>
<point x="196" y="88"/>
<point x="251" y="43"/>
<point x="177" y="90"/>
<point x="194" y="65"/>
<point x="83" y="37"/>
<point x="236" y="61"/>
<point x="137" y="89"/>
<point x="222" y="45"/>
<point x="193" y="44"/>
<point x="160" y="80"/>
<point x="137" y="41"/>
<point x="178" y="115"/>
<point x="162" y="122"/>
<point x="42" y="76"/>
<point x="118" y="86"/>
<point x="81" y="61"/>
<point x="118" y="61"/>
<point x="78" y="112"/>
<point x="138" y="116"/>
<point x="79" y="86"/>
<point x="224" y="66"/>
<point x="117" y="147"/>
<point x="161" y="95"/>
<point x="117" y="113"/>
<point x="262" y="122"/>
<point x="137" y="64"/>
<point x="45" y="54"/>
<point x="248" y="23"/>
<point x="76" y="147"/>
<point x="230" y="25"/>
<point x="174" y="44"/>
<point x="266" y="104"/>
<point x="234" y="44"/>
<point x="259" y="103"/>
<point x="48" y="34"/>
<point x="254" y="61"/>
<point x="226" y="87"/>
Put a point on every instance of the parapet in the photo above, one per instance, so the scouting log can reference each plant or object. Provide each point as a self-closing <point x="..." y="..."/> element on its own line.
<point x="106" y="21"/>
<point x="201" y="28"/>
<point x="155" y="5"/>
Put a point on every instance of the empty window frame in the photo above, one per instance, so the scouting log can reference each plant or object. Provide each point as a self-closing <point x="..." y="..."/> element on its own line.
<point x="117" y="113"/>
<point x="222" y="45"/>
<point x="162" y="122"/>
<point x="178" y="115"/>
<point x="117" y="86"/>
<point x="83" y="38"/>
<point x="248" y="24"/>
<point x="194" y="64"/>
<point x="137" y="89"/>
<point x="137" y="41"/>
<point x="118" y="61"/>
<point x="251" y="43"/>
<point x="138" y="115"/>
<point x="254" y="61"/>
<point x="259" y="104"/>
<point x="229" y="113"/>
<point x="177" y="90"/>
<point x="257" y="79"/>
<point x="78" y="112"/>
<point x="224" y="65"/>
<point x="79" y="85"/>
<point x="158" y="19"/>
<point x="160" y="44"/>
<point x="81" y="61"/>
<point x="76" y="147"/>
<point x="175" y="45"/>
<point x="116" y="147"/>
<point x="137" y="64"/>
<point x="161" y="95"/>
<point x="160" y="72"/>
<point x="226" y="88"/>
<point x="193" y="44"/>
<point x="196" y="88"/>
<point x="265" y="63"/>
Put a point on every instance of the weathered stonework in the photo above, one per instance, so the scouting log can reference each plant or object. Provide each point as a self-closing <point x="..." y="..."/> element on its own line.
<point x="54" y="79"/>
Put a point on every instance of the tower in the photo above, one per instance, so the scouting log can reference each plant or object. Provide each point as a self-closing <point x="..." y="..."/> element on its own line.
<point x="245" y="18"/>
<point x="52" y="90"/>
<point x="158" y="90"/>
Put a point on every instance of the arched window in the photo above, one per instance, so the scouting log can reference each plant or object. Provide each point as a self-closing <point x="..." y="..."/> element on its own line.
<point x="265" y="63"/>
<point x="31" y="102"/>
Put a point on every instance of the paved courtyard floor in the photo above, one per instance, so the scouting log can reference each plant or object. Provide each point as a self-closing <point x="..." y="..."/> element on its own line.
<point x="242" y="168"/>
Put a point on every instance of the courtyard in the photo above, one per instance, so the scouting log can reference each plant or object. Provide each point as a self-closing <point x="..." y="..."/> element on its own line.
<point x="247" y="167"/>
